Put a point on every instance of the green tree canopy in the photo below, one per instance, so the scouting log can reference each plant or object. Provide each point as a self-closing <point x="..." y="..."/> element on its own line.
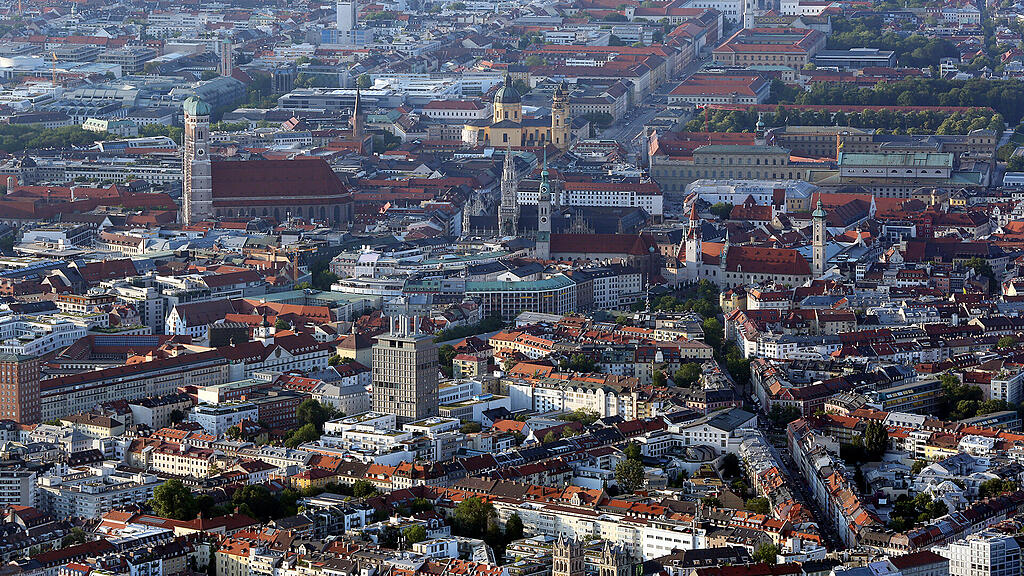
<point x="765" y="553"/>
<point x="633" y="452"/>
<point x="687" y="375"/>
<point x="876" y="440"/>
<point x="363" y="489"/>
<point x="414" y="534"/>
<point x="629" y="475"/>
<point x="513" y="527"/>
<point x="721" y="210"/>
<point x="474" y="517"/>
<point x="759" y="505"/>
<point x="173" y="499"/>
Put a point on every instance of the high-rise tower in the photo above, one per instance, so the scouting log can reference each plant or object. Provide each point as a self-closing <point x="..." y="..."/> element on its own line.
<point x="405" y="372"/>
<point x="227" y="63"/>
<point x="19" y="375"/>
<point x="560" y="120"/>
<point x="346" y="16"/>
<point x="508" y="210"/>
<point x="818" y="240"/>
<point x="543" y="246"/>
<point x="197" y="197"/>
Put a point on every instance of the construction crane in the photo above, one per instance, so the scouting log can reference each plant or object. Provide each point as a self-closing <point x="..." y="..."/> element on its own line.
<point x="53" y="70"/>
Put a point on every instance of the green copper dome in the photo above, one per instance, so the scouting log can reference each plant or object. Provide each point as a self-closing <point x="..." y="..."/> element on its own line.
<point x="819" y="212"/>
<point x="193" y="106"/>
<point x="507" y="94"/>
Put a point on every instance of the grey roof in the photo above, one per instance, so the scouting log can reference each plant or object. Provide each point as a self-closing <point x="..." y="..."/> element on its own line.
<point x="730" y="420"/>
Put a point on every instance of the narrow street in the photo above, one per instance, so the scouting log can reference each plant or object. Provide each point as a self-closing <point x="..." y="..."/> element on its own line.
<point x="803" y="493"/>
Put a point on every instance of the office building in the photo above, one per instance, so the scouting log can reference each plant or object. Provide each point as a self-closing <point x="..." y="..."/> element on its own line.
<point x="985" y="554"/>
<point x="19" y="396"/>
<point x="405" y="372"/>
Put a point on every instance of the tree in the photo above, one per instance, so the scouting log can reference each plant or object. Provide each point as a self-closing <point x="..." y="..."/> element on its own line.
<point x="177" y="416"/>
<point x="256" y="501"/>
<point x="421" y="505"/>
<point x="711" y="502"/>
<point x="917" y="467"/>
<point x="313" y="412"/>
<point x="759" y="505"/>
<point x="491" y="323"/>
<point x="388" y="537"/>
<point x="659" y="380"/>
<point x="305" y="433"/>
<point x="334" y="360"/>
<point x="474" y="517"/>
<point x="982" y="268"/>
<point x="234" y="432"/>
<point x="876" y="440"/>
<point x="766" y="553"/>
<point x="513" y="528"/>
<point x="363" y="81"/>
<point x="633" y="452"/>
<point x="959" y="400"/>
<point x="549" y="437"/>
<point x="730" y="466"/>
<point x="783" y="415"/>
<point x="76" y="536"/>
<point x="533" y="60"/>
<point x="174" y="500"/>
<point x="713" y="332"/>
<point x="995" y="487"/>
<point x="721" y="210"/>
<point x="321" y="274"/>
<point x="445" y="358"/>
<point x="687" y="374"/>
<point x="280" y="324"/>
<point x="363" y="489"/>
<point x="414" y="534"/>
<point x="578" y="363"/>
<point x="581" y="415"/>
<point x="470" y="427"/>
<point x="629" y="475"/>
<point x="1006" y="342"/>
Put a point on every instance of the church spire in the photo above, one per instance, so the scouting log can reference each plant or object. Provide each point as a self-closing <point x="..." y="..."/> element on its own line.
<point x="356" y="121"/>
<point x="508" y="210"/>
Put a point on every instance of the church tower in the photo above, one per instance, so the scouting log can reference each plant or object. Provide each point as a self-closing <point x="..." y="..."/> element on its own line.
<point x="614" y="561"/>
<point x="356" y="121"/>
<point x="466" y="209"/>
<point x="197" y="181"/>
<point x="508" y="210"/>
<point x="749" y="12"/>
<point x="567" y="557"/>
<point x="264" y="333"/>
<point x="818" y="240"/>
<point x="560" y="121"/>
<point x="544" y="214"/>
<point x="693" y="239"/>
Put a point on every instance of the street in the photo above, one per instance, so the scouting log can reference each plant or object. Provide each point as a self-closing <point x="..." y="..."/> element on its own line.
<point x="627" y="131"/>
<point x="796" y="479"/>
